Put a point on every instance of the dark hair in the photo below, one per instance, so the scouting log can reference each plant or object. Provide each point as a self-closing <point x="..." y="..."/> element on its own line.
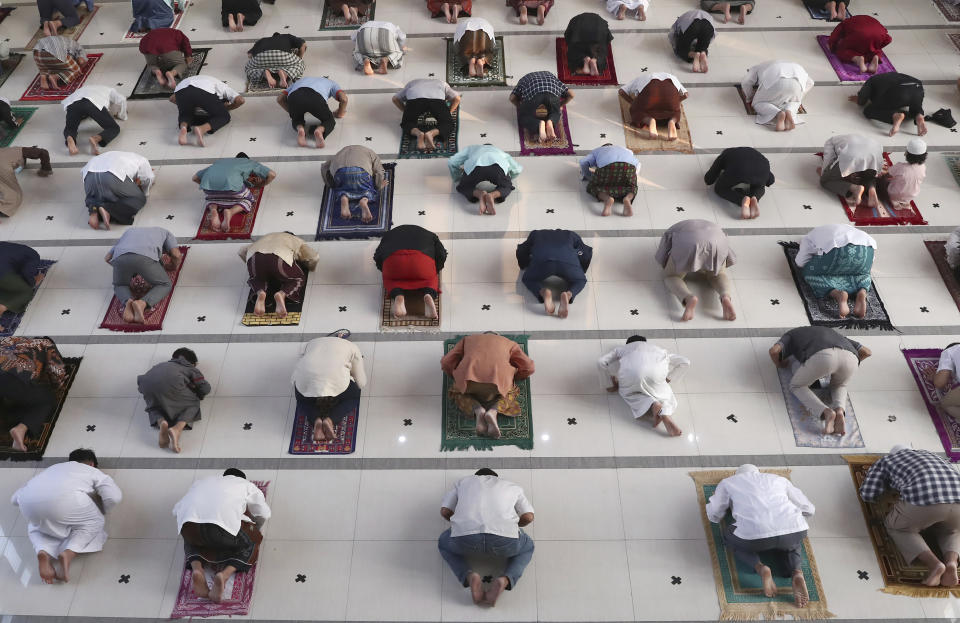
<point x="486" y="471"/>
<point x="233" y="471"/>
<point x="187" y="354"/>
<point x="916" y="158"/>
<point x="951" y="344"/>
<point x="289" y="232"/>
<point x="636" y="338"/>
<point x="240" y="154"/>
<point x="83" y="455"/>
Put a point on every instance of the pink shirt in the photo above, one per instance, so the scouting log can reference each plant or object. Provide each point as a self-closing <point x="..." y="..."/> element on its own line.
<point x="905" y="180"/>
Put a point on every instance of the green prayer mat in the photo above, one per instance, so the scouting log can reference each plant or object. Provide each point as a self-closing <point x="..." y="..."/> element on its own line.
<point x="444" y="149"/>
<point x="331" y="20"/>
<point x="7" y="135"/>
<point x="953" y="161"/>
<point x="458" y="76"/>
<point x="460" y="429"/>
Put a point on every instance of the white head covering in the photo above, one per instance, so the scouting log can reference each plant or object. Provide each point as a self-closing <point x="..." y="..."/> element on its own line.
<point x="916" y="146"/>
<point x="899" y="447"/>
<point x="747" y="468"/>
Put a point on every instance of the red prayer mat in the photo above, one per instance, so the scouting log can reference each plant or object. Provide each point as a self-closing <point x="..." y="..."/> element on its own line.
<point x="608" y="77"/>
<point x="241" y="225"/>
<point x="35" y="94"/>
<point x="113" y="320"/>
<point x="863" y="215"/>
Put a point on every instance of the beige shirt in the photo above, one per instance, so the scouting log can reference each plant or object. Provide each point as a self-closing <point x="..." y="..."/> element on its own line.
<point x="487" y="358"/>
<point x="11" y="196"/>
<point x="354" y="156"/>
<point x="327" y="365"/>
<point x="287" y="247"/>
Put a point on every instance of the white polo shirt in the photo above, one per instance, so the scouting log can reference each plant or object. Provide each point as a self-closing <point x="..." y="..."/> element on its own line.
<point x="486" y="505"/>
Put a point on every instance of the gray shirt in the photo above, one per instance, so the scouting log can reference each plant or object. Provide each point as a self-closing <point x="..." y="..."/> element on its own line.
<point x="150" y="242"/>
<point x="695" y="245"/>
<point x="173" y="390"/>
<point x="804" y="342"/>
<point x="426" y="88"/>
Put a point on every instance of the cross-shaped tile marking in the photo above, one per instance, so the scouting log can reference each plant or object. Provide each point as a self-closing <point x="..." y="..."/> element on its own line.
<point x="550" y="211"/>
<point x="863" y="575"/>
<point x="253" y="139"/>
<point x="65" y="312"/>
<point x="807" y="206"/>
<point x="290" y="213"/>
<point x="169" y="217"/>
<point x="953" y="129"/>
<point x="422" y="212"/>
<point x="91" y="428"/>
<point x="634" y="312"/>
<point x="124" y="579"/>
<point x="936" y="205"/>
<point x="143" y="142"/>
<point x="924" y="310"/>
<point x="571" y="421"/>
<point x="774" y="301"/>
<point x="720" y="132"/>
<point x="732" y="418"/>
<point x="49" y="218"/>
<point x="368" y="138"/>
<point x="675" y="579"/>
<point x="343" y="308"/>
<point x="680" y="209"/>
<point x="201" y="318"/>
<point x="248" y="426"/>
<point x="485" y="307"/>
<point x="891" y="418"/>
<point x="431" y="75"/>
<point x="408" y="422"/>
<point x="301" y="578"/>
<point x="643" y="69"/>
<point x="483" y="135"/>
<point x="603" y="135"/>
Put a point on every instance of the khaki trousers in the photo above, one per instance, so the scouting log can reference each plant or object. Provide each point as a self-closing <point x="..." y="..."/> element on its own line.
<point x="674" y="281"/>
<point x="905" y="521"/>
<point x="839" y="363"/>
<point x="951" y="403"/>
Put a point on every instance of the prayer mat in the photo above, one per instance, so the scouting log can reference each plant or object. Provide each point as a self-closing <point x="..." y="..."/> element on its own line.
<point x="608" y="77"/>
<point x="332" y="20"/>
<point x="8" y="135"/>
<point x="408" y="144"/>
<point x="494" y="76"/>
<point x="35" y="94"/>
<point x="241" y="225"/>
<point x="37" y="446"/>
<point x="739" y="588"/>
<point x="5" y="11"/>
<point x="824" y="14"/>
<point x="953" y="161"/>
<point x="179" y="11"/>
<point x="749" y="108"/>
<point x="923" y="364"/>
<point x="113" y="320"/>
<point x="950" y="12"/>
<point x="271" y="319"/>
<point x="899" y="578"/>
<point x="848" y="72"/>
<point x="332" y="227"/>
<point x="415" y="319"/>
<point x="8" y="66"/>
<point x="954" y="39"/>
<point x="863" y="215"/>
<point x="9" y="321"/>
<point x="562" y="146"/>
<point x="823" y="312"/>
<point x="637" y="142"/>
<point x="515" y="419"/>
<point x="147" y="86"/>
<point x="70" y="33"/>
<point x="937" y="250"/>
<point x="808" y="428"/>
<point x="301" y="441"/>
<point x="237" y="593"/>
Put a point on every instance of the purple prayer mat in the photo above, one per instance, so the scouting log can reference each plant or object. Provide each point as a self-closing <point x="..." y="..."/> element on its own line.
<point x="848" y="72"/>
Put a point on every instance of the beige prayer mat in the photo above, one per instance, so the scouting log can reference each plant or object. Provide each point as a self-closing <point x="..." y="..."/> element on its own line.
<point x="636" y="139"/>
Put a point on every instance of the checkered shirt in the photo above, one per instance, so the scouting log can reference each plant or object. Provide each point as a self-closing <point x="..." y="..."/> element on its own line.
<point x="922" y="478"/>
<point x="537" y="82"/>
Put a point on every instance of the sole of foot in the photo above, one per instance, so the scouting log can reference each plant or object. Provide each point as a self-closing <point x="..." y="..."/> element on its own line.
<point x="800" y="595"/>
<point x="45" y="565"/>
<point x="164" y="440"/>
<point x="949" y="577"/>
<point x="200" y="588"/>
<point x="476" y="587"/>
<point x="769" y="586"/>
<point x="689" y="308"/>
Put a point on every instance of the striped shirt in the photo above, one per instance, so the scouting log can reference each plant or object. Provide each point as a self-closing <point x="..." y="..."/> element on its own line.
<point x="537" y="82"/>
<point x="922" y="478"/>
<point x="61" y="47"/>
<point x="373" y="31"/>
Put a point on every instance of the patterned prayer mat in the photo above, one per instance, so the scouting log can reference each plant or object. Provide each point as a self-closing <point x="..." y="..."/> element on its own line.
<point x="937" y="250"/>
<point x="237" y="593"/>
<point x="10" y="321"/>
<point x="113" y="319"/>
<point x="848" y="72"/>
<point x="415" y="320"/>
<point x="562" y="146"/>
<point x="271" y="319"/>
<point x="37" y="446"/>
<point x="608" y="77"/>
<point x="494" y="76"/>
<point x="807" y="428"/>
<point x="899" y="578"/>
<point x="954" y="39"/>
<point x="147" y="86"/>
<point x="332" y="227"/>
<point x="637" y="141"/>
<point x="950" y="12"/>
<point x="824" y="312"/>
<point x="8" y="66"/>
<point x="332" y="20"/>
<point x="515" y="419"/>
<point x="408" y="144"/>
<point x="749" y="108"/>
<point x="8" y="135"/>
<point x="923" y="365"/>
<point x="953" y="161"/>
<point x="5" y="11"/>
<point x="71" y="33"/>
<point x="241" y="225"/>
<point x="301" y="441"/>
<point x="178" y="14"/>
<point x="739" y="588"/>
<point x="863" y="215"/>
<point x="35" y="94"/>
<point x="818" y="13"/>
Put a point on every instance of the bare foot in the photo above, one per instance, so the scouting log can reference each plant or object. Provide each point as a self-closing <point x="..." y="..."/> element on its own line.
<point x="672" y="429"/>
<point x="318" y="138"/>
<point x="301" y="137"/>
<point x="934" y="575"/>
<point x="231" y="23"/>
<point x="496" y="589"/>
<point x="791" y="123"/>
<point x="564" y="310"/>
<point x="280" y="303"/>
<point x="66" y="557"/>
<point x="428" y="141"/>
<point x="215" y="222"/>
<point x="781" y="121"/>
<point x="365" y="215"/>
<point x="829" y="421"/>
<point x="104" y="218"/>
<point x="898" y="118"/>
<point x="523" y="15"/>
<point x="754" y="208"/>
<point x="949" y="577"/>
<point x="216" y="593"/>
<point x="200" y="588"/>
<point x="607" y="207"/>
<point x="479" y="416"/>
<point x="860" y="305"/>
<point x="260" y="305"/>
<point x="921" y="126"/>
<point x="399" y="306"/>
<point x="844" y="310"/>
<point x="800" y="595"/>
<point x="72" y="146"/>
<point x="164" y="440"/>
<point x="94" y="146"/>
<point x="476" y="587"/>
<point x="493" y="429"/>
<point x="318" y="435"/>
<point x="688" y="307"/>
<point x="745" y="208"/>
<point x="328" y="429"/>
<point x="839" y="425"/>
<point x="548" y="305"/>
<point x="728" y="311"/>
<point x="430" y="307"/>
<point x="490" y="204"/>
<point x="94" y="220"/>
<point x="382" y="69"/>
<point x="627" y="206"/>
<point x="45" y="564"/>
<point x="703" y="62"/>
<point x="128" y="312"/>
<point x="769" y="586"/>
<point x="182" y="136"/>
<point x="367" y="67"/>
<point x="199" y="134"/>
<point x="175" y="440"/>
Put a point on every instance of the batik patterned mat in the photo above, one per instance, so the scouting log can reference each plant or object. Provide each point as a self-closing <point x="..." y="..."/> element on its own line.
<point x="937" y="250"/>
<point x="332" y="227"/>
<point x="8" y="135"/>
<point x="954" y="38"/>
<point x="749" y="108"/>
<point x="414" y="320"/>
<point x="818" y="13"/>
<point x="494" y="76"/>
<point x="808" y="428"/>
<point x="10" y="321"/>
<point x="85" y="18"/>
<point x="607" y="78"/>
<point x="923" y="364"/>
<point x="863" y="215"/>
<point x="271" y="319"/>
<point x="953" y="161"/>
<point x="334" y="21"/>
<point x="408" y="144"/>
<point x="237" y="593"/>
<point x="301" y="440"/>
<point x="177" y="18"/>
<point x="241" y="225"/>
<point x="5" y="11"/>
<point x="848" y="72"/>
<point x="563" y="145"/>
<point x="950" y="12"/>
<point x="37" y="446"/>
<point x="113" y="320"/>
<point x="9" y="66"/>
<point x="460" y="430"/>
<point x="824" y="312"/>
<point x="637" y="142"/>
<point x="739" y="588"/>
<point x="899" y="578"/>
<point x="147" y="86"/>
<point x="35" y="94"/>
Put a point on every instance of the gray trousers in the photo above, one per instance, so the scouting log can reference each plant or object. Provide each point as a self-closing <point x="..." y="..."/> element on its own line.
<point x="905" y="521"/>
<point x="128" y="265"/>
<point x="122" y="199"/>
<point x="832" y="180"/>
<point x="839" y="363"/>
<point x="173" y="61"/>
<point x="748" y="551"/>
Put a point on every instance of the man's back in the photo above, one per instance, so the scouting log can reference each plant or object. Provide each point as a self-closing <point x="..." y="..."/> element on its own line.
<point x="486" y="504"/>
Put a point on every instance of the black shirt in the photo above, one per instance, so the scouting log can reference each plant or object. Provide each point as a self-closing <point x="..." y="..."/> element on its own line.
<point x="410" y="237"/>
<point x="877" y="85"/>
<point x="285" y="43"/>
<point x="804" y="342"/>
<point x="740" y="165"/>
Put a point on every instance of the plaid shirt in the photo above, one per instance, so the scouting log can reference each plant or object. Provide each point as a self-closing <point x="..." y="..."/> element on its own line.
<point x="922" y="478"/>
<point x="537" y="82"/>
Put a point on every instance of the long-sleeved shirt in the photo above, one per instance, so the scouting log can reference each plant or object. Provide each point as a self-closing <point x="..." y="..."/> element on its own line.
<point x="474" y="23"/>
<point x="683" y="22"/>
<point x="469" y="158"/>
<point x="19" y="259"/>
<point x="101" y="97"/>
<point x="877" y="85"/>
<point x="636" y="85"/>
<point x="410" y="237"/>
<point x="324" y="86"/>
<point x="762" y="76"/>
<point x="487" y="358"/>
<point x="859" y="35"/>
<point x="173" y="390"/>
<point x="284" y="42"/>
<point x="426" y="88"/>
<point x="854" y="153"/>
<point x="354" y="156"/>
<point x="149" y="242"/>
<point x="739" y="165"/>
<point x="486" y="505"/>
<point x="162" y="40"/>
<point x="122" y="164"/>
<point x="952" y="248"/>
<point x="400" y="36"/>
<point x="61" y="47"/>
<point x="642" y="370"/>
<point x="905" y="181"/>
<point x="230" y="174"/>
<point x="825" y="238"/>
<point x="554" y="245"/>
<point x="922" y="478"/>
<point x="537" y="82"/>
<point x="804" y="342"/>
<point x="763" y="505"/>
<point x="222" y="500"/>
<point x="287" y="247"/>
<point x="210" y="85"/>
<point x="607" y="154"/>
<point x="327" y="365"/>
<point x="695" y="245"/>
<point x="950" y="360"/>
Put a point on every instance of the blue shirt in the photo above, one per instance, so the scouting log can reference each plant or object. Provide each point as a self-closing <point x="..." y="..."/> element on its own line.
<point x="230" y="174"/>
<point x="89" y="4"/>
<point x="602" y="156"/>
<point x="19" y="259"/>
<point x="480" y="156"/>
<point x="149" y="242"/>
<point x="324" y="86"/>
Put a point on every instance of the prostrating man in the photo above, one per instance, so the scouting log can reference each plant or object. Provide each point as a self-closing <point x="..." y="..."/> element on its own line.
<point x="100" y="104"/>
<point x="275" y="60"/>
<point x="378" y="44"/>
<point x="284" y="42"/>
<point x="859" y="40"/>
<point x="150" y="14"/>
<point x="352" y="10"/>
<point x="611" y="174"/>
<point x="740" y="175"/>
<point x="310" y="95"/>
<point x="275" y="264"/>
<point x="929" y="500"/>
<point x="64" y="506"/>
<point x="775" y="89"/>
<point x="655" y="97"/>
<point x="538" y="96"/>
<point x="820" y="352"/>
<point x="554" y="253"/>
<point x="326" y="382"/>
<point x="835" y="261"/>
<point x="892" y="98"/>
<point x="19" y="277"/>
<point x="57" y="14"/>
<point x="207" y="94"/>
<point x="32" y="374"/>
<point x="475" y="42"/>
<point x="235" y="14"/>
<point x="411" y="258"/>
<point x="58" y="58"/>
<point x="588" y="39"/>
<point x="486" y="514"/>
<point x="149" y="252"/>
<point x="946" y="378"/>
<point x="117" y="185"/>
<point x="484" y="163"/>
<point x="850" y="166"/>
<point x="220" y="519"/>
<point x="172" y="391"/>
<point x="227" y="187"/>
<point x="836" y="8"/>
<point x="641" y="372"/>
<point x="433" y="97"/>
<point x="484" y="367"/>
<point x="700" y="247"/>
<point x="168" y="54"/>
<point x="690" y="37"/>
<point x="768" y="512"/>
<point x="724" y="6"/>
<point x="355" y="173"/>
<point x="12" y="161"/>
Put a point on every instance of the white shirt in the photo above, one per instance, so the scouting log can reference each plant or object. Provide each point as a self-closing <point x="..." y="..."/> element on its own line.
<point x="221" y="500"/>
<point x="950" y="359"/>
<point x="952" y="248"/>
<point x="486" y="505"/>
<point x="210" y="85"/>
<point x="327" y="365"/>
<point x="122" y="164"/>
<point x="766" y="74"/>
<point x="637" y="84"/>
<point x="642" y="370"/>
<point x="763" y="505"/>
<point x="854" y="153"/>
<point x="825" y="238"/>
<point x="474" y="23"/>
<point x="774" y="86"/>
<point x="393" y="28"/>
<point x="101" y="97"/>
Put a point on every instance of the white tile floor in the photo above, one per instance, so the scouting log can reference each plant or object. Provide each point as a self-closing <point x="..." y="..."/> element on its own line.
<point x="616" y="511"/>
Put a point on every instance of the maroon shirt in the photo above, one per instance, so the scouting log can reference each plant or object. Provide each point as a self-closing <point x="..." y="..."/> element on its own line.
<point x="163" y="40"/>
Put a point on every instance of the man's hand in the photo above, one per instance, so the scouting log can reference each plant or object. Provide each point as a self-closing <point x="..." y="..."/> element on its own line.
<point x="775" y="352"/>
<point x="852" y="98"/>
<point x="446" y="513"/>
<point x="615" y="385"/>
<point x="864" y="352"/>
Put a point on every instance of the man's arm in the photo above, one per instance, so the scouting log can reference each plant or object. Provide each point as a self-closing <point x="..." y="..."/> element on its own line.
<point x="605" y="364"/>
<point x="257" y="505"/>
<point x="270" y="177"/>
<point x="397" y="102"/>
<point x="525" y="519"/>
<point x="282" y="100"/>
<point x="108" y="257"/>
<point x="942" y="379"/>
<point x="567" y="97"/>
<point x="718" y="504"/>
<point x="454" y="104"/>
<point x="863" y="352"/>
<point x="342" y="98"/>
<point x="196" y="178"/>
<point x="514" y="100"/>
<point x="710" y="177"/>
<point x="237" y="102"/>
<point x="775" y="355"/>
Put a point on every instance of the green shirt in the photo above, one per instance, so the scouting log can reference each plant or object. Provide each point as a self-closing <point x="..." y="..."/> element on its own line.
<point x="230" y="174"/>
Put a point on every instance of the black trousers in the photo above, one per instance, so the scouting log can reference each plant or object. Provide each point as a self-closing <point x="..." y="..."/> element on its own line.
<point x="490" y="173"/>
<point x="303" y="101"/>
<point x="191" y="98"/>
<point x="48" y="8"/>
<point x="207" y="538"/>
<point x="84" y="109"/>
<point x="250" y="9"/>
<point x="437" y="109"/>
<point x="535" y="274"/>
<point x="725" y="188"/>
<point x="696" y="38"/>
<point x="30" y="404"/>
<point x="527" y="111"/>
<point x="907" y="97"/>
<point x="334" y="407"/>
<point x="6" y="115"/>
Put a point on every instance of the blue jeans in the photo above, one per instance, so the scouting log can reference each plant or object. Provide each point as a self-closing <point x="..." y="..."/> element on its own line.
<point x="518" y="553"/>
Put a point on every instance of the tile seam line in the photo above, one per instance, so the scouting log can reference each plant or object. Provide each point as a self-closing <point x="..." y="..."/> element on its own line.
<point x="31" y="618"/>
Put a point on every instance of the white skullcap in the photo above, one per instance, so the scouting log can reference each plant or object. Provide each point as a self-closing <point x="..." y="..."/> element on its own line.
<point x="916" y="147"/>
